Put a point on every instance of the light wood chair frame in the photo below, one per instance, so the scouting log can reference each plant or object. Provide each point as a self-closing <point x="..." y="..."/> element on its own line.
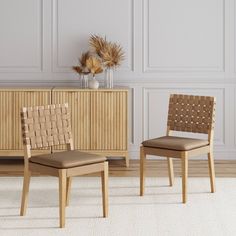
<point x="183" y="155"/>
<point x="64" y="175"/>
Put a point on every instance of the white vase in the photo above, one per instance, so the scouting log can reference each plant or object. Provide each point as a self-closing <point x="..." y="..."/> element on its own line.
<point x="109" y="77"/>
<point x="93" y="83"/>
<point x="84" y="81"/>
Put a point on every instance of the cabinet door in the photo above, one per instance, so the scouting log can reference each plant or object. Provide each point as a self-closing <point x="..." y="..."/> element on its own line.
<point x="79" y="104"/>
<point x="6" y="120"/>
<point x="25" y="99"/>
<point x="109" y="120"/>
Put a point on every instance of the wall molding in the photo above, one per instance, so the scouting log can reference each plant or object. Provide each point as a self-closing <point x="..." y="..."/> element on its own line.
<point x="132" y="121"/>
<point x="39" y="68"/>
<point x="234" y="33"/>
<point x="48" y="35"/>
<point x="234" y="113"/>
<point x="55" y="37"/>
<point x="147" y="68"/>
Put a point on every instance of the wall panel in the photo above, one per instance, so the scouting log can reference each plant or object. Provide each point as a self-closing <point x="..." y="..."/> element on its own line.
<point x="74" y="21"/>
<point x="184" y="35"/>
<point x="184" y="46"/>
<point x="21" y="35"/>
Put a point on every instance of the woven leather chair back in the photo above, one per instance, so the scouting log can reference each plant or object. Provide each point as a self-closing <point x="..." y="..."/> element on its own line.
<point x="45" y="126"/>
<point x="190" y="113"/>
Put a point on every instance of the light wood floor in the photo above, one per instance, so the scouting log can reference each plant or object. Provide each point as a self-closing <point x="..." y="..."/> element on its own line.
<point x="197" y="168"/>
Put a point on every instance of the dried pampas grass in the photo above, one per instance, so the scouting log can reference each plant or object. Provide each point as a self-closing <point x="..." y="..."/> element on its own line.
<point x="78" y="69"/>
<point x="84" y="57"/>
<point x="94" y="65"/>
<point x="111" y="54"/>
<point x="104" y="54"/>
<point x="98" y="44"/>
<point x="82" y="68"/>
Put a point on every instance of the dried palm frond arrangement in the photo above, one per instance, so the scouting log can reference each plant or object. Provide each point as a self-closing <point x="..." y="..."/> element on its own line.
<point x="98" y="44"/>
<point x="88" y="63"/>
<point x="103" y="55"/>
<point x="111" y="54"/>
<point x="94" y="65"/>
<point x="81" y="68"/>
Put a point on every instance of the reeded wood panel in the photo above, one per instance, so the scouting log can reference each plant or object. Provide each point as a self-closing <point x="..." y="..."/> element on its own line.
<point x="98" y="118"/>
<point x="24" y="99"/>
<point x="109" y="120"/>
<point x="79" y="104"/>
<point x="11" y="101"/>
<point x="6" y="120"/>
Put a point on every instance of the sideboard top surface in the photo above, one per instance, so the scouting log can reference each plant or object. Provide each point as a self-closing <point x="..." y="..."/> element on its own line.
<point x="120" y="88"/>
<point x="29" y="89"/>
<point x="62" y="89"/>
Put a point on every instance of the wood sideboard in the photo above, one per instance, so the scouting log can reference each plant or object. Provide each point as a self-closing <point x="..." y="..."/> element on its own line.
<point x="99" y="118"/>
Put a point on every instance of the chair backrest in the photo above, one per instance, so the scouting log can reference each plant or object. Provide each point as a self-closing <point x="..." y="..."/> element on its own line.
<point x="46" y="126"/>
<point x="189" y="113"/>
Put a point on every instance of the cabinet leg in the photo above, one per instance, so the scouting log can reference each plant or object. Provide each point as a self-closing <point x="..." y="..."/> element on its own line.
<point x="127" y="160"/>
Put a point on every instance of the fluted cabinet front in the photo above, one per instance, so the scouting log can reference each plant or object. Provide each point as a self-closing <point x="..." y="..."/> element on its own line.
<point x="6" y="120"/>
<point x="109" y="120"/>
<point x="79" y="104"/>
<point x="99" y="118"/>
<point x="11" y="102"/>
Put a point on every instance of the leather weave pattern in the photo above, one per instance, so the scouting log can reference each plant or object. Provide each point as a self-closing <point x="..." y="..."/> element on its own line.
<point x="189" y="113"/>
<point x="45" y="126"/>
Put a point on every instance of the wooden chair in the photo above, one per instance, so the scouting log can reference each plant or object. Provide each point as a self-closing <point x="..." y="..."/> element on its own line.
<point x="46" y="126"/>
<point x="187" y="113"/>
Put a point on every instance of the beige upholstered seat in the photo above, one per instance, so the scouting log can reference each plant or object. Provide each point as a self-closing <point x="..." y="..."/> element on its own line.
<point x="187" y="113"/>
<point x="46" y="126"/>
<point x="67" y="159"/>
<point x="175" y="143"/>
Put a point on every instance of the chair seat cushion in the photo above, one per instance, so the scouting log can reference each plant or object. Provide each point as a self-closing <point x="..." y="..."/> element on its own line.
<point x="175" y="143"/>
<point x="67" y="159"/>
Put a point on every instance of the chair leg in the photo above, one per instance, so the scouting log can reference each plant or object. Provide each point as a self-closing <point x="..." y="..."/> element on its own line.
<point x="211" y="170"/>
<point x="25" y="192"/>
<point x="62" y="196"/>
<point x="171" y="171"/>
<point x="142" y="170"/>
<point x="68" y="190"/>
<point x="104" y="178"/>
<point x="184" y="160"/>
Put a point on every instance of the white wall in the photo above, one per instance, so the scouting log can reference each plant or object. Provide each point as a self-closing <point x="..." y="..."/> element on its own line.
<point x="185" y="46"/>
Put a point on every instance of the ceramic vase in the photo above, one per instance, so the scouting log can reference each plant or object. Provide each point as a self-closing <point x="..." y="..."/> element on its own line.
<point x="93" y="83"/>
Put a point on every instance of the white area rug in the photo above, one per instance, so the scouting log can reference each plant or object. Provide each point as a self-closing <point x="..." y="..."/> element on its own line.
<point x="160" y="212"/>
